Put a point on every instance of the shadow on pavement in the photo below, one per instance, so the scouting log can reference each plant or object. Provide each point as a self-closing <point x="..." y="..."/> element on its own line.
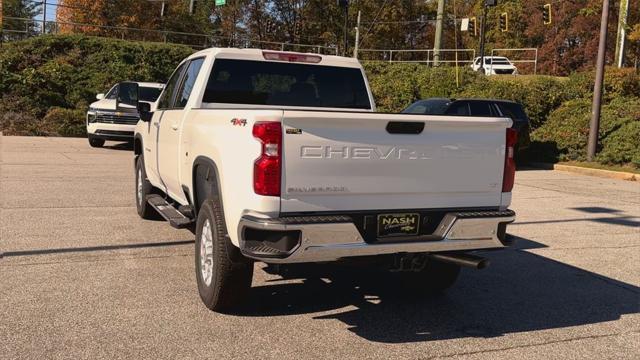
<point x="519" y="292"/>
<point x="124" y="146"/>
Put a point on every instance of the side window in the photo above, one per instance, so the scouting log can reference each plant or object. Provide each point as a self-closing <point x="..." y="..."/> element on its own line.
<point x="495" y="110"/>
<point x="458" y="109"/>
<point x="419" y="108"/>
<point x="506" y="111"/>
<point x="480" y="108"/>
<point x="166" y="99"/>
<point x="113" y="93"/>
<point x="187" y="84"/>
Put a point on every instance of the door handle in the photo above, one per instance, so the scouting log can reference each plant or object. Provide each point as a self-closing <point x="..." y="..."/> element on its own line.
<point x="405" y="127"/>
<point x="156" y="124"/>
<point x="174" y="126"/>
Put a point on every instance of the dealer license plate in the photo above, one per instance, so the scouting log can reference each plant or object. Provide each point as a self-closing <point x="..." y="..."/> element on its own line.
<point x="398" y="224"/>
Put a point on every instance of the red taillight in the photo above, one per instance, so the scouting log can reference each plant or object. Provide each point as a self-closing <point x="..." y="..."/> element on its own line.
<point x="283" y="56"/>
<point x="266" y="169"/>
<point x="509" y="160"/>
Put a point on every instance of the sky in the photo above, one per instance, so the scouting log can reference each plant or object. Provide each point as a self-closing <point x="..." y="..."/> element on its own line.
<point x="51" y="10"/>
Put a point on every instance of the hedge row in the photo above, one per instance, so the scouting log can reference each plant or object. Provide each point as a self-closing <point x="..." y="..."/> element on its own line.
<point x="564" y="135"/>
<point x="46" y="84"/>
<point x="397" y="85"/>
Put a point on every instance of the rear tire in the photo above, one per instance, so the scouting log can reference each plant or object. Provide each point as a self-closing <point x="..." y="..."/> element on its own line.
<point x="144" y="188"/>
<point x="96" y="142"/>
<point x="222" y="273"/>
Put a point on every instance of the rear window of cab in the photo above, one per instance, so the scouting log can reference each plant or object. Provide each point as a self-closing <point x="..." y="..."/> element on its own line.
<point x="286" y="84"/>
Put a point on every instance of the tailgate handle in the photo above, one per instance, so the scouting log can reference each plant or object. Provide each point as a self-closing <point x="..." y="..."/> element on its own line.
<point x="405" y="127"/>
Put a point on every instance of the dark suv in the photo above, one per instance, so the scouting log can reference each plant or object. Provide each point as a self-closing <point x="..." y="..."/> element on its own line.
<point x="477" y="107"/>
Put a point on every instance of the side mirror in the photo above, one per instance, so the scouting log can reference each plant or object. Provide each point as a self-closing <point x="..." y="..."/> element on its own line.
<point x="144" y="110"/>
<point x="100" y="96"/>
<point x="127" y="94"/>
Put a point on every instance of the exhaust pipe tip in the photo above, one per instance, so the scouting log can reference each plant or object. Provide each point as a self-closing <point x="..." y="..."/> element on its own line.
<point x="482" y="264"/>
<point x="466" y="260"/>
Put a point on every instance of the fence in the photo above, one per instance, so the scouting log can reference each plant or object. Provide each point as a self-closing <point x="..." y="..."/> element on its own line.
<point x="424" y="56"/>
<point x="21" y="28"/>
<point x="519" y="56"/>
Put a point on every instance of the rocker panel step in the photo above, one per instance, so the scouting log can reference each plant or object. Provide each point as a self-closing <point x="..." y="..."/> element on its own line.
<point x="175" y="218"/>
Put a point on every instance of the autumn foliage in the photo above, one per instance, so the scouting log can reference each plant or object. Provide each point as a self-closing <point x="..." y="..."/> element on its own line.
<point x="568" y="44"/>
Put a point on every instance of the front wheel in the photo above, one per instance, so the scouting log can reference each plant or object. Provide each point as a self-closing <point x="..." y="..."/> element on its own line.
<point x="96" y="142"/>
<point x="143" y="189"/>
<point x="223" y="274"/>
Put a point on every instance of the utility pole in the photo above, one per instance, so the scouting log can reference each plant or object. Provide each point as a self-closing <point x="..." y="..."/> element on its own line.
<point x="455" y="42"/>
<point x="594" y="126"/>
<point x="355" y="48"/>
<point x="621" y="39"/>
<point x="44" y="16"/>
<point x="345" y="5"/>
<point x="438" y="37"/>
<point x="483" y="27"/>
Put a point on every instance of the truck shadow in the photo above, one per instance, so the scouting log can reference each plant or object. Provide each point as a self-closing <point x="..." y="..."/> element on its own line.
<point x="122" y="146"/>
<point x="519" y="292"/>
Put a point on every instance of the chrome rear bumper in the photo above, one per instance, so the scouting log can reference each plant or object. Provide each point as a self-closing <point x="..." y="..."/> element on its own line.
<point x="329" y="238"/>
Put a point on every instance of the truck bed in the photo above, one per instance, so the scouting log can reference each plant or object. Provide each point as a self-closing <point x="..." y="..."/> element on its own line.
<point x="334" y="161"/>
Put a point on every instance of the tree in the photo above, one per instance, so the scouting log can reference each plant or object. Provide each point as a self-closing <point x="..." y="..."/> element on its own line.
<point x="568" y="44"/>
<point x="109" y="17"/>
<point x="17" y="19"/>
<point x="634" y="42"/>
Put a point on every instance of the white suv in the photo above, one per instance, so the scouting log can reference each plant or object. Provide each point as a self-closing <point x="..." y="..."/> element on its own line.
<point x="495" y="65"/>
<point x="108" y="120"/>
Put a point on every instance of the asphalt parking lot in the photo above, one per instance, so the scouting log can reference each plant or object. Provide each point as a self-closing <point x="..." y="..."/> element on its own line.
<point x="81" y="276"/>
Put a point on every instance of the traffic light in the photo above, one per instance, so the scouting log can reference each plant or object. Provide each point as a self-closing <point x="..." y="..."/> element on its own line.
<point x="472" y="27"/>
<point x="546" y="14"/>
<point x="504" y="22"/>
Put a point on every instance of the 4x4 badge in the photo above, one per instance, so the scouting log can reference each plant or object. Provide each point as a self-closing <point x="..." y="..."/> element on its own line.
<point x="239" y="122"/>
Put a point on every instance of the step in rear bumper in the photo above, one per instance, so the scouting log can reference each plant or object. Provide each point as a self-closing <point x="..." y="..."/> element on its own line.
<point x="329" y="238"/>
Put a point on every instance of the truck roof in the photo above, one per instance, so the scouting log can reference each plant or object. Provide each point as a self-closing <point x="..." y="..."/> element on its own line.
<point x="151" y="84"/>
<point x="257" y="55"/>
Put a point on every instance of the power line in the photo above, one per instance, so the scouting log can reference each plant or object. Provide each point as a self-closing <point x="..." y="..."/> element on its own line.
<point x="364" y="37"/>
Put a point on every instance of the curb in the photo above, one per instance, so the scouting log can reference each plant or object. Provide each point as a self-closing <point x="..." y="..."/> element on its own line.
<point x="619" y="175"/>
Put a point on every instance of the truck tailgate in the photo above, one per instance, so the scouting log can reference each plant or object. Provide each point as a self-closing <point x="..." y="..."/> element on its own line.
<point x="342" y="161"/>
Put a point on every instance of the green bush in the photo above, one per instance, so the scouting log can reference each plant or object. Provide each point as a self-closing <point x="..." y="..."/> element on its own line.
<point x="441" y="82"/>
<point x="12" y="123"/>
<point x="396" y="85"/>
<point x="565" y="134"/>
<point x="617" y="82"/>
<point x="68" y="70"/>
<point x="393" y="87"/>
<point x="63" y="122"/>
<point x="622" y="146"/>
<point x="47" y="82"/>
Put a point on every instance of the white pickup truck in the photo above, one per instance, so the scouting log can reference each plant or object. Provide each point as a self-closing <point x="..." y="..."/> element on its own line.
<point x="107" y="121"/>
<point x="280" y="157"/>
